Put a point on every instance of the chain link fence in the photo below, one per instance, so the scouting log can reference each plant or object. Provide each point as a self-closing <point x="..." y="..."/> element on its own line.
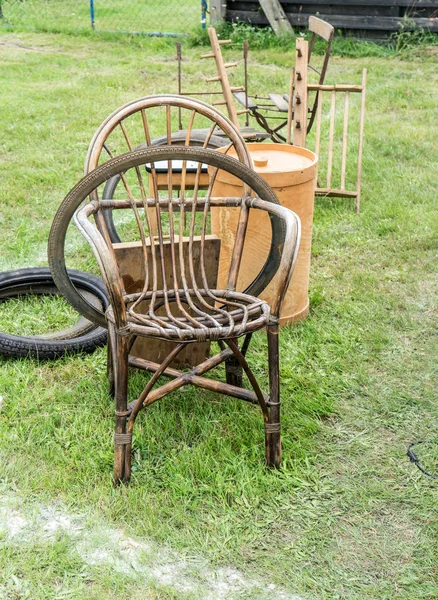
<point x="154" y="17"/>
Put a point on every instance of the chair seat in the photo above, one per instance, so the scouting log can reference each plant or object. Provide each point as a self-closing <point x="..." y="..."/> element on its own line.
<point x="193" y="315"/>
<point x="279" y="101"/>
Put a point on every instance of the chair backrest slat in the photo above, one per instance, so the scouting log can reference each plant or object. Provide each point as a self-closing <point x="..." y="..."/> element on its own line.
<point x="322" y="28"/>
<point x="345" y="140"/>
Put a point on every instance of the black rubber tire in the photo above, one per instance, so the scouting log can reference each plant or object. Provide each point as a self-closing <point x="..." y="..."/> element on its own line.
<point x="178" y="138"/>
<point x="197" y="139"/>
<point x="81" y="337"/>
<point x="136" y="158"/>
<point x="39" y="281"/>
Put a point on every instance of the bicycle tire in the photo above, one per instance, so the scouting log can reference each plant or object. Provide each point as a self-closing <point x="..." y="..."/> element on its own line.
<point x="178" y="138"/>
<point x="83" y="336"/>
<point x="136" y="158"/>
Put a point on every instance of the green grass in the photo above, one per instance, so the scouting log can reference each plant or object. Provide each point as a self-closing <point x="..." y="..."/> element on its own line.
<point x="347" y="516"/>
<point x="116" y="20"/>
<point x="132" y="16"/>
<point x="405" y="42"/>
<point x="35" y="315"/>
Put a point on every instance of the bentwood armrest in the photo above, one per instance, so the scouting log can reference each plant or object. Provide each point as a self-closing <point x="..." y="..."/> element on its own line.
<point x="105" y="259"/>
<point x="289" y="251"/>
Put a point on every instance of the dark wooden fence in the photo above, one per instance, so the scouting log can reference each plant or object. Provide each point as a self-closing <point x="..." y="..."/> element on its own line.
<point x="372" y="18"/>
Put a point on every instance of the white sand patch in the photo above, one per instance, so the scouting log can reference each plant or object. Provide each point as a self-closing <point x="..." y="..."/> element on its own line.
<point x="142" y="560"/>
<point x="11" y="523"/>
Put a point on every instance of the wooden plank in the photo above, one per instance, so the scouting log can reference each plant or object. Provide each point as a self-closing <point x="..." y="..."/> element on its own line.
<point x="343" y="22"/>
<point x="361" y="128"/>
<point x="300" y="98"/>
<point x="289" y="100"/>
<point x="337" y="87"/>
<point x="279" y="102"/>
<point x="222" y="75"/>
<point x="218" y="9"/>
<point x="308" y="10"/>
<point x="335" y="193"/>
<point x="321" y="28"/>
<point x="241" y="98"/>
<point x="345" y="140"/>
<point x="414" y="4"/>
<point x="276" y="17"/>
<point x="129" y="256"/>
<point x="318" y="123"/>
<point x="381" y="23"/>
<point x="331" y="139"/>
<point x="190" y="179"/>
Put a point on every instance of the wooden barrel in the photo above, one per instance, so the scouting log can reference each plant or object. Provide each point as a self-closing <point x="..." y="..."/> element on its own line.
<point x="291" y="171"/>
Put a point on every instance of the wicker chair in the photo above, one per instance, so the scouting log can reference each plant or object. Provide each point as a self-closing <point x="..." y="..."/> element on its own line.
<point x="190" y="310"/>
<point x="139" y="124"/>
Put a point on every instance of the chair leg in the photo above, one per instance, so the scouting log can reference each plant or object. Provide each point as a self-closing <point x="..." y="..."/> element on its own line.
<point x="122" y="439"/>
<point x="110" y="364"/>
<point x="272" y="426"/>
<point x="233" y="368"/>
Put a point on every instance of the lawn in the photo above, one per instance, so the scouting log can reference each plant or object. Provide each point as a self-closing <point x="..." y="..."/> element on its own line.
<point x="347" y="516"/>
<point x="134" y="16"/>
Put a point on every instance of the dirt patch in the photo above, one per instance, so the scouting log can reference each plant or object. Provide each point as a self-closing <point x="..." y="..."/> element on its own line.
<point x="142" y="560"/>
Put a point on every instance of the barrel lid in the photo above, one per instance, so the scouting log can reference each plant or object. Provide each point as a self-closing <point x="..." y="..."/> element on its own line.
<point x="293" y="163"/>
<point x="279" y="158"/>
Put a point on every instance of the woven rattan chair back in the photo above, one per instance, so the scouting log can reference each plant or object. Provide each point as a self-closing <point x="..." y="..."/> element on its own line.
<point x="140" y="124"/>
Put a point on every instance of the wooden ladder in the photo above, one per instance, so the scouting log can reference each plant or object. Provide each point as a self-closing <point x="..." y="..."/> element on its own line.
<point x="222" y="76"/>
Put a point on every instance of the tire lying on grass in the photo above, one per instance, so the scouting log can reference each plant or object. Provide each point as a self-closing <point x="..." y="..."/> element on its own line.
<point x="83" y="336"/>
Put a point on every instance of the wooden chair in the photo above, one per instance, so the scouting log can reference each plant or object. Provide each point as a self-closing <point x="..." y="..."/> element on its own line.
<point x="190" y="309"/>
<point x="325" y="31"/>
<point x="269" y="112"/>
